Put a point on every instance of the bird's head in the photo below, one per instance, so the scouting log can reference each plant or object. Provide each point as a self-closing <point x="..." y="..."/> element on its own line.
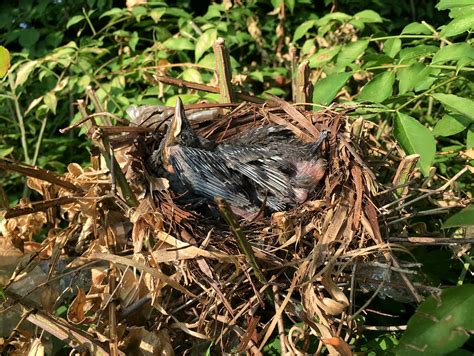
<point x="179" y="132"/>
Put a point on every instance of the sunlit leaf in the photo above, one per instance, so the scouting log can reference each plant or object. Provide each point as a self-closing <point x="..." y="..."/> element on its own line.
<point x="4" y="61"/>
<point x="392" y="46"/>
<point x="5" y="151"/>
<point x="290" y="4"/>
<point x="441" y="323"/>
<point x="449" y="4"/>
<point x="139" y="12"/>
<point x="351" y="52"/>
<point x="156" y="14"/>
<point x="205" y="41"/>
<point x="458" y="25"/>
<point x="113" y="12"/>
<point x="368" y="16"/>
<point x="178" y="44"/>
<point x="451" y="124"/>
<point x="24" y="71"/>
<point x="415" y="138"/>
<point x="133" y="40"/>
<point x="416" y="28"/>
<point x="325" y="90"/>
<point x="51" y="101"/>
<point x="74" y="20"/>
<point x="470" y="137"/>
<point x="379" y="88"/>
<point x="323" y="56"/>
<point x="453" y="52"/>
<point x="415" y="76"/>
<point x="302" y="29"/>
<point x="192" y="75"/>
<point x="464" y="106"/>
<point x="33" y="104"/>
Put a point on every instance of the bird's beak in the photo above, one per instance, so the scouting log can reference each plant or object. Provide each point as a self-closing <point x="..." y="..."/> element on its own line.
<point x="174" y="130"/>
<point x="179" y="117"/>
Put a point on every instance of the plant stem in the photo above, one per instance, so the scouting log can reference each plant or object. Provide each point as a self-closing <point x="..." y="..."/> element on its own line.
<point x="19" y="117"/>
<point x="40" y="138"/>
<point x="415" y="98"/>
<point x="89" y="21"/>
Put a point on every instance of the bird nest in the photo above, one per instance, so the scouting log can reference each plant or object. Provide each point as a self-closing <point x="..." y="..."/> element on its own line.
<point x="182" y="278"/>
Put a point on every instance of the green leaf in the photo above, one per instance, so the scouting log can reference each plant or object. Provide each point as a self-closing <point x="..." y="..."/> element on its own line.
<point x="463" y="62"/>
<point x="138" y="12"/>
<point x="392" y="46"/>
<point x="33" y="103"/>
<point x="156" y="14"/>
<point x="463" y="218"/>
<point x="409" y="54"/>
<point x="470" y="137"/>
<point x="415" y="138"/>
<point x="51" y="101"/>
<point x="177" y="12"/>
<point x="290" y="4"/>
<point x="378" y="89"/>
<point x="416" y="28"/>
<point x="302" y="29"/>
<point x="453" y="52"/>
<point x="5" y="151"/>
<point x="451" y="124"/>
<point x="458" y="25"/>
<point x="192" y="75"/>
<point x="257" y="75"/>
<point x="351" y="52"/>
<point x="186" y="98"/>
<point x="113" y="12"/>
<point x="205" y="41"/>
<point x="132" y="42"/>
<point x="28" y="37"/>
<point x="440" y="324"/>
<point x="325" y="90"/>
<point x="4" y="61"/>
<point x="459" y="104"/>
<point x="323" y="56"/>
<point x="24" y="71"/>
<point x="368" y="16"/>
<point x="415" y="76"/>
<point x="449" y="4"/>
<point x="75" y="19"/>
<point x="178" y="44"/>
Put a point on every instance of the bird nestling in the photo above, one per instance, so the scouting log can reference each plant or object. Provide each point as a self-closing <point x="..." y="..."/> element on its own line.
<point x="266" y="166"/>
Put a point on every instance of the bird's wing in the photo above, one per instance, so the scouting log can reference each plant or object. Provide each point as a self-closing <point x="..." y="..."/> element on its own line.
<point x="207" y="174"/>
<point x="261" y="166"/>
<point x="262" y="133"/>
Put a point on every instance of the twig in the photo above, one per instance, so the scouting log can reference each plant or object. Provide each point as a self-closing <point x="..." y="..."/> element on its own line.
<point x="207" y="88"/>
<point x="433" y="192"/>
<point x="38" y="206"/>
<point x="302" y="84"/>
<point x="432" y="240"/>
<point x="40" y="173"/>
<point x="87" y="118"/>
<point x="404" y="173"/>
<point x="384" y="328"/>
<point x="224" y="71"/>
